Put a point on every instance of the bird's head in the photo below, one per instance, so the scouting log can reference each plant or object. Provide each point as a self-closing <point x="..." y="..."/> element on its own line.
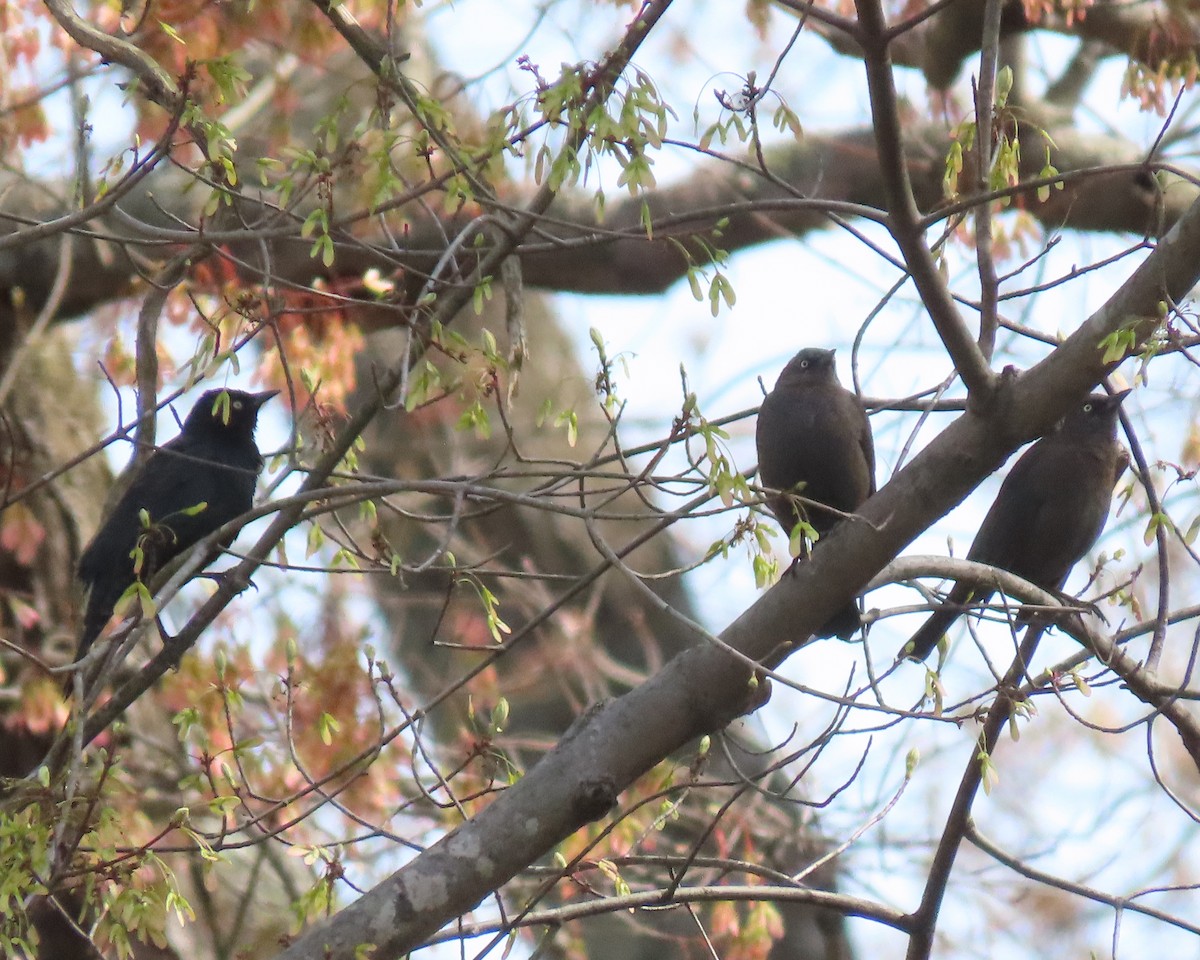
<point x="812" y="365"/>
<point x="227" y="412"/>
<point x="1097" y="413"/>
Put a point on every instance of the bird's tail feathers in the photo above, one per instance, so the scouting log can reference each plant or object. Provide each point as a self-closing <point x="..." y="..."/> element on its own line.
<point x="923" y="642"/>
<point x="99" y="611"/>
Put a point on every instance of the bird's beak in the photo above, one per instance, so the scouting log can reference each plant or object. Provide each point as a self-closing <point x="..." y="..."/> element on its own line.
<point x="1121" y="395"/>
<point x="261" y="398"/>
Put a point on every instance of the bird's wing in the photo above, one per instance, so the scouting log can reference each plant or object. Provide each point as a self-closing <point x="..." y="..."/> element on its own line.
<point x="1047" y="515"/>
<point x="110" y="548"/>
<point x="1022" y="497"/>
<point x="167" y="487"/>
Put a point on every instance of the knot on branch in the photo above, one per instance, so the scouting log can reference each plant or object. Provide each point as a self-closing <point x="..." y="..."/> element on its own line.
<point x="594" y="798"/>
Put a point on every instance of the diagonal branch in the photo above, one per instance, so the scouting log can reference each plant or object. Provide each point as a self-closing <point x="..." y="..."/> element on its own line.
<point x="924" y="920"/>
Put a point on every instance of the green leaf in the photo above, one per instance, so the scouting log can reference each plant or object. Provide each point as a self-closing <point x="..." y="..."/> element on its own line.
<point x="327" y="726"/>
<point x="988" y="773"/>
<point x="213" y="204"/>
<point x="222" y="806"/>
<point x="171" y="32"/>
<point x="1156" y="520"/>
<point x="316" y="540"/>
<point x="765" y="571"/>
<point x="1193" y="528"/>
<point x="476" y="417"/>
<point x="786" y="119"/>
<point x="221" y="406"/>
<point x="954" y="166"/>
<point x="1004" y="84"/>
<point x="368" y="513"/>
<point x="796" y="541"/>
<point x="569" y="419"/>
<point x="720" y="289"/>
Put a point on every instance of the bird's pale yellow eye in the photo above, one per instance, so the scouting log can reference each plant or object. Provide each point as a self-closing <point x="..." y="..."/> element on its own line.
<point x="237" y="404"/>
<point x="1087" y="408"/>
<point x="803" y="364"/>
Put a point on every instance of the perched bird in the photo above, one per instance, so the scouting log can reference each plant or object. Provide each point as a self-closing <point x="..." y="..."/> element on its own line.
<point x="185" y="490"/>
<point x="814" y="432"/>
<point x="1051" y="508"/>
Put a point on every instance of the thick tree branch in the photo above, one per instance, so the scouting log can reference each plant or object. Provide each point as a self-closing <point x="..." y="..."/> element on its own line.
<point x="1107" y="187"/>
<point x="1151" y="33"/>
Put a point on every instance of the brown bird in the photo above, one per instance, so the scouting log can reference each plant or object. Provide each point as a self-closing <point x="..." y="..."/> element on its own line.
<point x="1051" y="509"/>
<point x="814" y="440"/>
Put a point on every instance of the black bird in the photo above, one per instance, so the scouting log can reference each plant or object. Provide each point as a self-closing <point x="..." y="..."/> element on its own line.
<point x="1051" y="508"/>
<point x="189" y="487"/>
<point x="813" y="431"/>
